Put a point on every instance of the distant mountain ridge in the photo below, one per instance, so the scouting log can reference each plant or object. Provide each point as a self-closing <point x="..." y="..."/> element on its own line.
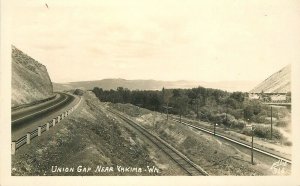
<point x="279" y="82"/>
<point x="108" y="84"/>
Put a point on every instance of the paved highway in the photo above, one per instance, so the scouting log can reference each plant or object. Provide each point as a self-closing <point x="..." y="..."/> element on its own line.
<point x="27" y="119"/>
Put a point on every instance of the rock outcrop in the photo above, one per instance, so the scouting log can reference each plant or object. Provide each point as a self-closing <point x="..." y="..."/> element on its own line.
<point x="30" y="80"/>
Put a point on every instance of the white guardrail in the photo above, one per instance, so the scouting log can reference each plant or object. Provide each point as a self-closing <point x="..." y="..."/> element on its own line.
<point x="43" y="128"/>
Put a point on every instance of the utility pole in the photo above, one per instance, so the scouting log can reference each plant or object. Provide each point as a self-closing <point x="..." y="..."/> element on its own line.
<point x="154" y="116"/>
<point x="252" y="144"/>
<point x="180" y="115"/>
<point x="252" y="138"/>
<point x="167" y="113"/>
<point x="167" y="107"/>
<point x="226" y="114"/>
<point x="271" y="122"/>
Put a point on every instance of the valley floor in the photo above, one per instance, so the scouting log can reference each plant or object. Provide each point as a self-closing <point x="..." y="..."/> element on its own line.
<point x="92" y="141"/>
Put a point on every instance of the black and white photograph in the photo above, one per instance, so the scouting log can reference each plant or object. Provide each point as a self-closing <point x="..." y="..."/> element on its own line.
<point x="94" y="89"/>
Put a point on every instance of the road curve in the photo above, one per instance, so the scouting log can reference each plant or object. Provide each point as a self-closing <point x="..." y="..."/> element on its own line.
<point x="21" y="113"/>
<point x="24" y="120"/>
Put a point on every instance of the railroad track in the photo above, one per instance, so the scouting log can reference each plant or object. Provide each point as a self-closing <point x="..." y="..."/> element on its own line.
<point x="186" y="164"/>
<point x="277" y="157"/>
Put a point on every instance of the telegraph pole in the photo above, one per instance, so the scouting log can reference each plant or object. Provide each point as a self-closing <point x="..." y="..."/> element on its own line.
<point x="167" y="107"/>
<point x="154" y="117"/>
<point x="180" y="115"/>
<point x="271" y="122"/>
<point x="167" y="113"/>
<point x="226" y="114"/>
<point x="252" y="145"/>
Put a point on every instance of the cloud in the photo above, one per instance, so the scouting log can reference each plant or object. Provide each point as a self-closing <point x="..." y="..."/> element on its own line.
<point x="198" y="40"/>
<point x="51" y="47"/>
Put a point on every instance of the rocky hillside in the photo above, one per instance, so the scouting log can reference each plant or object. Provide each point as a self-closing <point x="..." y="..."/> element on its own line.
<point x="30" y="79"/>
<point x="279" y="82"/>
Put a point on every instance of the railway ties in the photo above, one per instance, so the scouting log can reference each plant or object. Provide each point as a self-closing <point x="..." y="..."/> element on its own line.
<point x="180" y="159"/>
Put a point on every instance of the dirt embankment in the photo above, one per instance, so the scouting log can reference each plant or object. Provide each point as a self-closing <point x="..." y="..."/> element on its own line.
<point x="215" y="156"/>
<point x="90" y="137"/>
<point x="30" y="79"/>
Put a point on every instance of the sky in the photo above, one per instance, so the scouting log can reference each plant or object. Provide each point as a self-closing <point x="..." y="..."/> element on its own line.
<point x="215" y="40"/>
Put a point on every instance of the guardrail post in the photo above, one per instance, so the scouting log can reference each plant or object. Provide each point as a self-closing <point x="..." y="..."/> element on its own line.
<point x="39" y="131"/>
<point x="13" y="147"/>
<point x="47" y="126"/>
<point x="53" y="122"/>
<point x="62" y="116"/>
<point x="58" y="119"/>
<point x="215" y="129"/>
<point x="28" y="138"/>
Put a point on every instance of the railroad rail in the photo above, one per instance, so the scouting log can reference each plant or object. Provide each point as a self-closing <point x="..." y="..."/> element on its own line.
<point x="236" y="142"/>
<point x="186" y="164"/>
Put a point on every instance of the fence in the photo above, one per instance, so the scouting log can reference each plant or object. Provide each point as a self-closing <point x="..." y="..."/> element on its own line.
<point x="41" y="129"/>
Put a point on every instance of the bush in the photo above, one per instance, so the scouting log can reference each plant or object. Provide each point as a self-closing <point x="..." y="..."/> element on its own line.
<point x="234" y="123"/>
<point x="259" y="119"/>
<point x="240" y="124"/>
<point x="228" y="121"/>
<point x="247" y="131"/>
<point x="219" y="118"/>
<point x="288" y="143"/>
<point x="79" y="92"/>
<point x="263" y="132"/>
<point x="282" y="123"/>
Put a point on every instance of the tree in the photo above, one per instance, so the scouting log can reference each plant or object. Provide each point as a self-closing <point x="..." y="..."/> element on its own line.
<point x="98" y="91"/>
<point x="167" y="94"/>
<point x="154" y="101"/>
<point x="182" y="104"/>
<point x="197" y="103"/>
